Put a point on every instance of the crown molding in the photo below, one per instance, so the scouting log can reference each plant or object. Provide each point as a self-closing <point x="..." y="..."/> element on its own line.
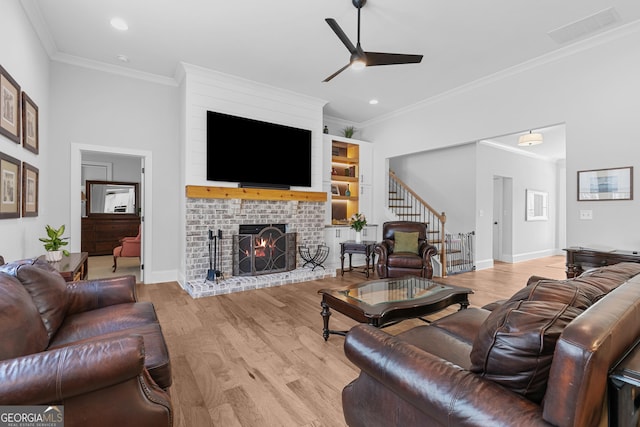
<point x="113" y="69"/>
<point x="556" y="55"/>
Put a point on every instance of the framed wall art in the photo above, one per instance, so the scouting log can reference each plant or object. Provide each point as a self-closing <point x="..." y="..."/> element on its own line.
<point x="9" y="187"/>
<point x="606" y="184"/>
<point x="30" y="135"/>
<point x="537" y="205"/>
<point x="9" y="107"/>
<point x="29" y="190"/>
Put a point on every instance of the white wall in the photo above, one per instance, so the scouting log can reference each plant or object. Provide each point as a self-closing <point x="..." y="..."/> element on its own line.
<point x="459" y="182"/>
<point x="210" y="90"/>
<point x="23" y="57"/>
<point x="98" y="109"/>
<point x="125" y="168"/>
<point x="446" y="180"/>
<point x="529" y="239"/>
<point x="593" y="89"/>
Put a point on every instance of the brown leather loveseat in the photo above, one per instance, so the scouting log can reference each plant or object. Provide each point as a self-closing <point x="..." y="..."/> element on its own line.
<point x="540" y="358"/>
<point x="87" y="345"/>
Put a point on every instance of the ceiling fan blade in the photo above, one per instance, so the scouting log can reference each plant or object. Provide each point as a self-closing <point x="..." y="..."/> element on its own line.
<point x="378" y="58"/>
<point x="337" y="72"/>
<point x="341" y="35"/>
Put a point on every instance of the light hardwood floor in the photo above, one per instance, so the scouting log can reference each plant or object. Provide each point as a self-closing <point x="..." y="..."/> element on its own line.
<point x="257" y="358"/>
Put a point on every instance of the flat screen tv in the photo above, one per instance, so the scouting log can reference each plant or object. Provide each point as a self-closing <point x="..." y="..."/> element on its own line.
<point x="254" y="153"/>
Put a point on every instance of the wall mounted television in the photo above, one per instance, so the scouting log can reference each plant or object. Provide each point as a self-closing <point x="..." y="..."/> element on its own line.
<point x="254" y="153"/>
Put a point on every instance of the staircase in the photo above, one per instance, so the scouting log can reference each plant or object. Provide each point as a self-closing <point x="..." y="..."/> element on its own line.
<point x="455" y="251"/>
<point x="408" y="206"/>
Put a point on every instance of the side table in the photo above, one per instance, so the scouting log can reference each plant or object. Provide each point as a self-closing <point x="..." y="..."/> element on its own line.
<point x="624" y="387"/>
<point x="352" y="247"/>
<point x="73" y="267"/>
<point x="580" y="259"/>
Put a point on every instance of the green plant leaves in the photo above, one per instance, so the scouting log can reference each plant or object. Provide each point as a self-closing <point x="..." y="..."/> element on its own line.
<point x="54" y="240"/>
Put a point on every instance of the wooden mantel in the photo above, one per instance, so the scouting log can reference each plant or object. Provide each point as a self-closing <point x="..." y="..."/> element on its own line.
<point x="205" y="192"/>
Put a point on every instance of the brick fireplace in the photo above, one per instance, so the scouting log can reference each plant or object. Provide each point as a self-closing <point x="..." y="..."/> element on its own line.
<point x="226" y="209"/>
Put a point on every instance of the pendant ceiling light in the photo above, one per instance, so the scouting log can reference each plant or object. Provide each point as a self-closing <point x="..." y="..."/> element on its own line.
<point x="530" y="139"/>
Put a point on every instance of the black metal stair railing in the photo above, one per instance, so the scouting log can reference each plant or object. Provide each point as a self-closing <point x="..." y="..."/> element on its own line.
<point x="408" y="206"/>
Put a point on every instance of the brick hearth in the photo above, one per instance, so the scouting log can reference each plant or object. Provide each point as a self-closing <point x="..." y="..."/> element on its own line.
<point x="215" y="208"/>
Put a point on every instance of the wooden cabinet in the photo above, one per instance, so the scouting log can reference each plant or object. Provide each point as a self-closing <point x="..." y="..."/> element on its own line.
<point x="366" y="163"/>
<point x="100" y="235"/>
<point x="580" y="259"/>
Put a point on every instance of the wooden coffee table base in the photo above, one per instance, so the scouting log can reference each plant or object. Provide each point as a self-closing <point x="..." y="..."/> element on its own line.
<point x="386" y="302"/>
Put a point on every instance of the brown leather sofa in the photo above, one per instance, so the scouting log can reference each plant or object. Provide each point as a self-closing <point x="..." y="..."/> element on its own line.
<point x="87" y="345"/>
<point x="540" y="358"/>
<point x="394" y="261"/>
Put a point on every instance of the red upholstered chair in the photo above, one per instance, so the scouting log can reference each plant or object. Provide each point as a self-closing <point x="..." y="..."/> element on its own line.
<point x="129" y="247"/>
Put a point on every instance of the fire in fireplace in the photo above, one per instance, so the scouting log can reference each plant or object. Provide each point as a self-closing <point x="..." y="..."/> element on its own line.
<point x="263" y="249"/>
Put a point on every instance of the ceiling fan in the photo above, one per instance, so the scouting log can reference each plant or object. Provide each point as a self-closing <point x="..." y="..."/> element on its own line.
<point x="360" y="58"/>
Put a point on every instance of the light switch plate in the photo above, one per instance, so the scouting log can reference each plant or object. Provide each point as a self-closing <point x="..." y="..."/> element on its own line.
<point x="586" y="214"/>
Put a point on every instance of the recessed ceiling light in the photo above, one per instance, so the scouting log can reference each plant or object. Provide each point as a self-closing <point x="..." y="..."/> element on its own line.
<point x="373" y="101"/>
<point x="119" y="24"/>
<point x="123" y="58"/>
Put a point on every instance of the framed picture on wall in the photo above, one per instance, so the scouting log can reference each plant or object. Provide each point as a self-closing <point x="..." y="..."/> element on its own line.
<point x="29" y="190"/>
<point x="537" y="208"/>
<point x="9" y="107"/>
<point x="9" y="187"/>
<point x="606" y="184"/>
<point x="30" y="136"/>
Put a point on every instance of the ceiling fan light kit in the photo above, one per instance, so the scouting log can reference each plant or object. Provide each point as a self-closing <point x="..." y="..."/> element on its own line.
<point x="529" y="139"/>
<point x="359" y="58"/>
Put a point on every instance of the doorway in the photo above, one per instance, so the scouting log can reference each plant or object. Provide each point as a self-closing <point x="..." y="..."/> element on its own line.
<point x="502" y="214"/>
<point x="142" y="171"/>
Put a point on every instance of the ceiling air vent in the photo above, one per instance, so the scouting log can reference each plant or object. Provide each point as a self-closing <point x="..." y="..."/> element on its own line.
<point x="585" y="26"/>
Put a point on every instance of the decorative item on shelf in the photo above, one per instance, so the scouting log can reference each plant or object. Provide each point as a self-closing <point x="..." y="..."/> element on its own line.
<point x="358" y="221"/>
<point x="325" y="130"/>
<point x="54" y="242"/>
<point x="346" y="171"/>
<point x="348" y="192"/>
<point x="349" y="131"/>
<point x="334" y="171"/>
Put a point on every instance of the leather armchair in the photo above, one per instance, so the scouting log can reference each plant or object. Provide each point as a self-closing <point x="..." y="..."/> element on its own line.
<point x="394" y="263"/>
<point x="129" y="247"/>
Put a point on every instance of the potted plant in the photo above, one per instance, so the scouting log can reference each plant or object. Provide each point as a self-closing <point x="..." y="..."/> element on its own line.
<point x="358" y="222"/>
<point x="54" y="242"/>
<point x="349" y="131"/>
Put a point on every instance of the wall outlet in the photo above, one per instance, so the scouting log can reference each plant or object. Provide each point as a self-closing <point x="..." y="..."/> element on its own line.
<point x="586" y="214"/>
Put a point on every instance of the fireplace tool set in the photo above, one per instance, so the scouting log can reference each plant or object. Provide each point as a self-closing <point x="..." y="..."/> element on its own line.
<point x="214" y="257"/>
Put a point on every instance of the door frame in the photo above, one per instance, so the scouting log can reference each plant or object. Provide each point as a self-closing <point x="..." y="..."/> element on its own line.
<point x="502" y="248"/>
<point x="75" y="222"/>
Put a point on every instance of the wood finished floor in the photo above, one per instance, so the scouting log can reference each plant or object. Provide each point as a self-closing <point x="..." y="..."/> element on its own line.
<point x="257" y="358"/>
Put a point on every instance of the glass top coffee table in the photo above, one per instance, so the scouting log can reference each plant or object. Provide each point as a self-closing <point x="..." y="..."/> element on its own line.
<point x="387" y="301"/>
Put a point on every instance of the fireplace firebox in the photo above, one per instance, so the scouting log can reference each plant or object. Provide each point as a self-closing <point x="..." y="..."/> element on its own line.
<point x="263" y="249"/>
